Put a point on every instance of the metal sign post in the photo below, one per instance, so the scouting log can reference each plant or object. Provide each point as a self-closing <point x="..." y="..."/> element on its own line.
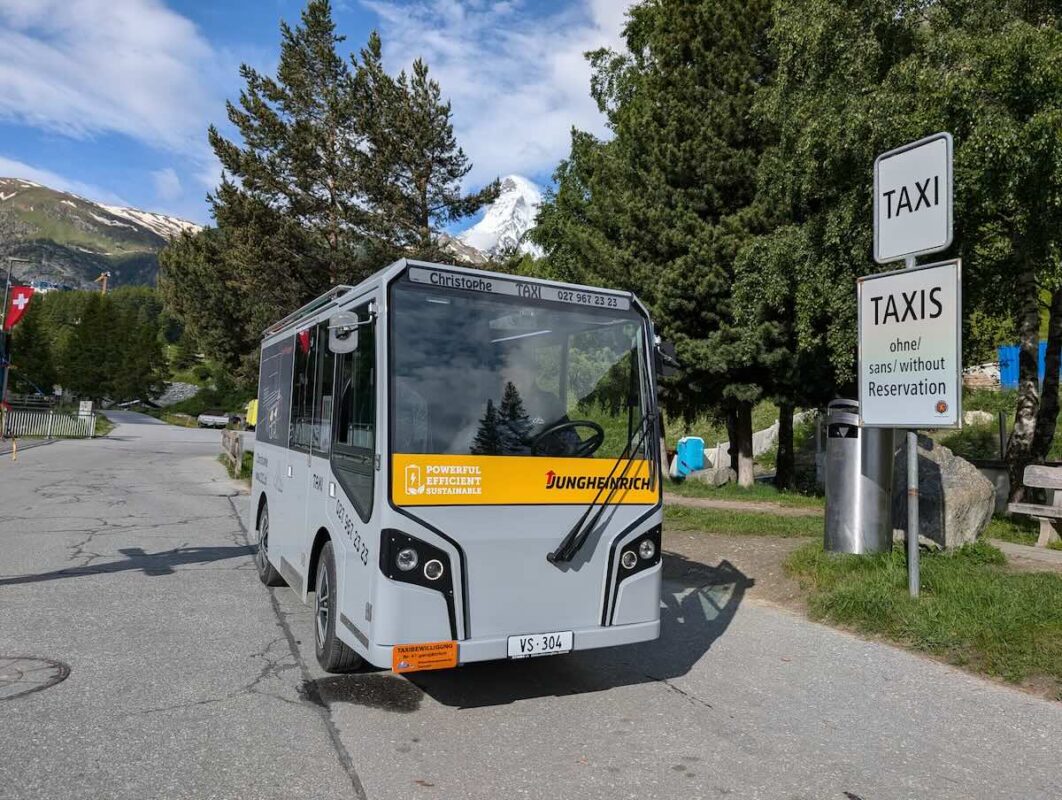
<point x="910" y="366"/>
<point x="914" y="580"/>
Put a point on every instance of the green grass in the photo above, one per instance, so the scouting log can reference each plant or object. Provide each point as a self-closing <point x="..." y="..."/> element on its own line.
<point x="103" y="425"/>
<point x="972" y="612"/>
<point x="990" y="400"/>
<point x="246" y="467"/>
<point x="974" y="442"/>
<point x="746" y="523"/>
<point x="759" y="493"/>
<point x="1016" y="529"/>
<point x="181" y="420"/>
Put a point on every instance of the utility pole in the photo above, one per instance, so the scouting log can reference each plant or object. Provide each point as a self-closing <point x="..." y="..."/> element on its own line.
<point x="102" y="281"/>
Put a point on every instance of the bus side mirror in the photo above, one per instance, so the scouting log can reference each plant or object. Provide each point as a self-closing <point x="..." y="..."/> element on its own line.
<point x="666" y="363"/>
<point x="343" y="332"/>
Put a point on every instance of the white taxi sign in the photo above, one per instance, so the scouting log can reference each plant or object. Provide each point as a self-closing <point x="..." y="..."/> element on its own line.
<point x="913" y="199"/>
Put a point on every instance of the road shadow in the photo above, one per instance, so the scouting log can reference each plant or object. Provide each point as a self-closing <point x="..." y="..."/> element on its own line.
<point x="153" y="564"/>
<point x="697" y="605"/>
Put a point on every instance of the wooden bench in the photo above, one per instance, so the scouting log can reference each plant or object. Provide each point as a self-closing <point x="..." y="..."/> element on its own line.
<point x="1049" y="478"/>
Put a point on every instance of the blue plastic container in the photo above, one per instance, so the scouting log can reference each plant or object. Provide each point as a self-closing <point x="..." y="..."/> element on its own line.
<point x="690" y="455"/>
<point x="1008" y="364"/>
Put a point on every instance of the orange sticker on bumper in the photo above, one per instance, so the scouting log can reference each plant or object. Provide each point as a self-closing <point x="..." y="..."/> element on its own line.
<point x="427" y="655"/>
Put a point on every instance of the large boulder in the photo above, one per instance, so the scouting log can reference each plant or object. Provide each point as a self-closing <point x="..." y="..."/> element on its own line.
<point x="955" y="501"/>
<point x="714" y="476"/>
<point x="976" y="417"/>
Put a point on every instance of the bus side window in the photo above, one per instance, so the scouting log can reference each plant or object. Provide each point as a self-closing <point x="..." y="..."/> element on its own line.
<point x="354" y="431"/>
<point x="321" y="417"/>
<point x="302" y="389"/>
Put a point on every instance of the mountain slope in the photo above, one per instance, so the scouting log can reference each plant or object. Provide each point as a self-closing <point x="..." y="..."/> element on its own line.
<point x="71" y="240"/>
<point x="507" y="219"/>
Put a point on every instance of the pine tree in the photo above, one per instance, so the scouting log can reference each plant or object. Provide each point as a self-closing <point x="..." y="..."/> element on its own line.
<point x="515" y="424"/>
<point x="489" y="441"/>
<point x="33" y="368"/>
<point x="301" y="155"/>
<point x="415" y="167"/>
<point x="664" y="207"/>
<point x="137" y="364"/>
<point x="86" y="362"/>
<point x="338" y="170"/>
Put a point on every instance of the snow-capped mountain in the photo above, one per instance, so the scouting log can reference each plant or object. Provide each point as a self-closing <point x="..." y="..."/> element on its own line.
<point x="507" y="219"/>
<point x="69" y="240"/>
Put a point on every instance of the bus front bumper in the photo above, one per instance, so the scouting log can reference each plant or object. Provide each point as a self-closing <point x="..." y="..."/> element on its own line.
<point x="496" y="649"/>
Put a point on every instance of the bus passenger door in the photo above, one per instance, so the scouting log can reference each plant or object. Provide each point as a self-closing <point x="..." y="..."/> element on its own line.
<point x="354" y="467"/>
<point x="318" y="481"/>
<point x="293" y="532"/>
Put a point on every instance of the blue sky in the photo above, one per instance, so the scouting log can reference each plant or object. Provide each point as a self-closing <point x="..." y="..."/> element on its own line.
<point x="111" y="99"/>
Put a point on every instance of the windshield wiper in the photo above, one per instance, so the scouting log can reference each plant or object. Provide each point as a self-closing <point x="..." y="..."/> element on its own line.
<point x="580" y="532"/>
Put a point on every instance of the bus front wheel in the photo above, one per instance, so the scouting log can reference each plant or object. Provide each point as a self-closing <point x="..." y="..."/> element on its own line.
<point x="332" y="654"/>
<point x="267" y="573"/>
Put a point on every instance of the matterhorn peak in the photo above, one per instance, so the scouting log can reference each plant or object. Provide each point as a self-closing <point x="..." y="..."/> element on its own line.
<point x="507" y="219"/>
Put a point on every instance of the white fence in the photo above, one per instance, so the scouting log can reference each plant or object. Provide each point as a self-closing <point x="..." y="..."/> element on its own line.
<point x="47" y="425"/>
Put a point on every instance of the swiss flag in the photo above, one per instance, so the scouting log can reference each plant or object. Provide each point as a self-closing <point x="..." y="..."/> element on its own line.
<point x="17" y="305"/>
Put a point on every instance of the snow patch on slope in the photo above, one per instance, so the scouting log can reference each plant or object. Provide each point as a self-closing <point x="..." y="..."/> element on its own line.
<point x="507" y="219"/>
<point x="165" y="226"/>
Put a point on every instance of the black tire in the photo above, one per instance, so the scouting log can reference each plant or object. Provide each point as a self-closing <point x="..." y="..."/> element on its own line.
<point x="332" y="654"/>
<point x="267" y="573"/>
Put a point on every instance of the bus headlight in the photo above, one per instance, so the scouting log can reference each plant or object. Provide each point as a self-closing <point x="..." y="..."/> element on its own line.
<point x="434" y="570"/>
<point x="628" y="559"/>
<point x="647" y="549"/>
<point x="407" y="559"/>
<point x="402" y="554"/>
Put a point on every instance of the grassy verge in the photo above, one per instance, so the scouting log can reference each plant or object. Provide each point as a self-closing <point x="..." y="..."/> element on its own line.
<point x="1019" y="530"/>
<point x="103" y="425"/>
<point x="246" y="468"/>
<point x="972" y="613"/>
<point x="748" y="523"/>
<point x="760" y="493"/>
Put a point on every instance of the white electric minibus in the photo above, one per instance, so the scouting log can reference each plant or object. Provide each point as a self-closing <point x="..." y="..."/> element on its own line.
<point x="460" y="466"/>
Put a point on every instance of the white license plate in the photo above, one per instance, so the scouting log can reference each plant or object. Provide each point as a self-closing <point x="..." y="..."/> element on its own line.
<point x="540" y="644"/>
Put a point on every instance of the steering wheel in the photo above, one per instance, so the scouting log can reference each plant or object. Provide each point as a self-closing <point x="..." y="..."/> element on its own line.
<point x="585" y="448"/>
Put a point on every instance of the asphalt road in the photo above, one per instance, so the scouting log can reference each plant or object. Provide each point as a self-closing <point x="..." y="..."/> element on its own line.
<point x="124" y="560"/>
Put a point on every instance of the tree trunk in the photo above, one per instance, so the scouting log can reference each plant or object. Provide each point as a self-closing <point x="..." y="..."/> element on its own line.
<point x="744" y="445"/>
<point x="1019" y="446"/>
<point x="732" y="437"/>
<point x="784" y="464"/>
<point x="1047" y="415"/>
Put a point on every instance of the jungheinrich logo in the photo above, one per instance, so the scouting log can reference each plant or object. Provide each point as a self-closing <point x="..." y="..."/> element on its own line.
<point x="621" y="483"/>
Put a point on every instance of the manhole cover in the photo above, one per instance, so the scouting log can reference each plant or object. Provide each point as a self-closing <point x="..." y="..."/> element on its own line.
<point x="21" y="675"/>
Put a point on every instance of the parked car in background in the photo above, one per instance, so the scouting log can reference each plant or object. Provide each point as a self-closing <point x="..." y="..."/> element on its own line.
<point x="213" y="419"/>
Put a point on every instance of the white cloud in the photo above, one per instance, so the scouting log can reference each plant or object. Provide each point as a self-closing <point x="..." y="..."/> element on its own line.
<point x="10" y="168"/>
<point x="167" y="184"/>
<point x="85" y="67"/>
<point x="518" y="80"/>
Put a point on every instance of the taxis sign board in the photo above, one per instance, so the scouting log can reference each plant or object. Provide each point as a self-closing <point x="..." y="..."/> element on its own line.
<point x="910" y="351"/>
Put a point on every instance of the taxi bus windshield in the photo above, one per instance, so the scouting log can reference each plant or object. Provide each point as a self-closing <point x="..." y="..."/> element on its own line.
<point x="485" y="374"/>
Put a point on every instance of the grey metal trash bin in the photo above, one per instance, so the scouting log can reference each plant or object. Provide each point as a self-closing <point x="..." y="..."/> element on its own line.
<point x="858" y="482"/>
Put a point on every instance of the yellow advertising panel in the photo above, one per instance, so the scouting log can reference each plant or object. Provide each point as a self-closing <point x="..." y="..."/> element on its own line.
<point x="442" y="480"/>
